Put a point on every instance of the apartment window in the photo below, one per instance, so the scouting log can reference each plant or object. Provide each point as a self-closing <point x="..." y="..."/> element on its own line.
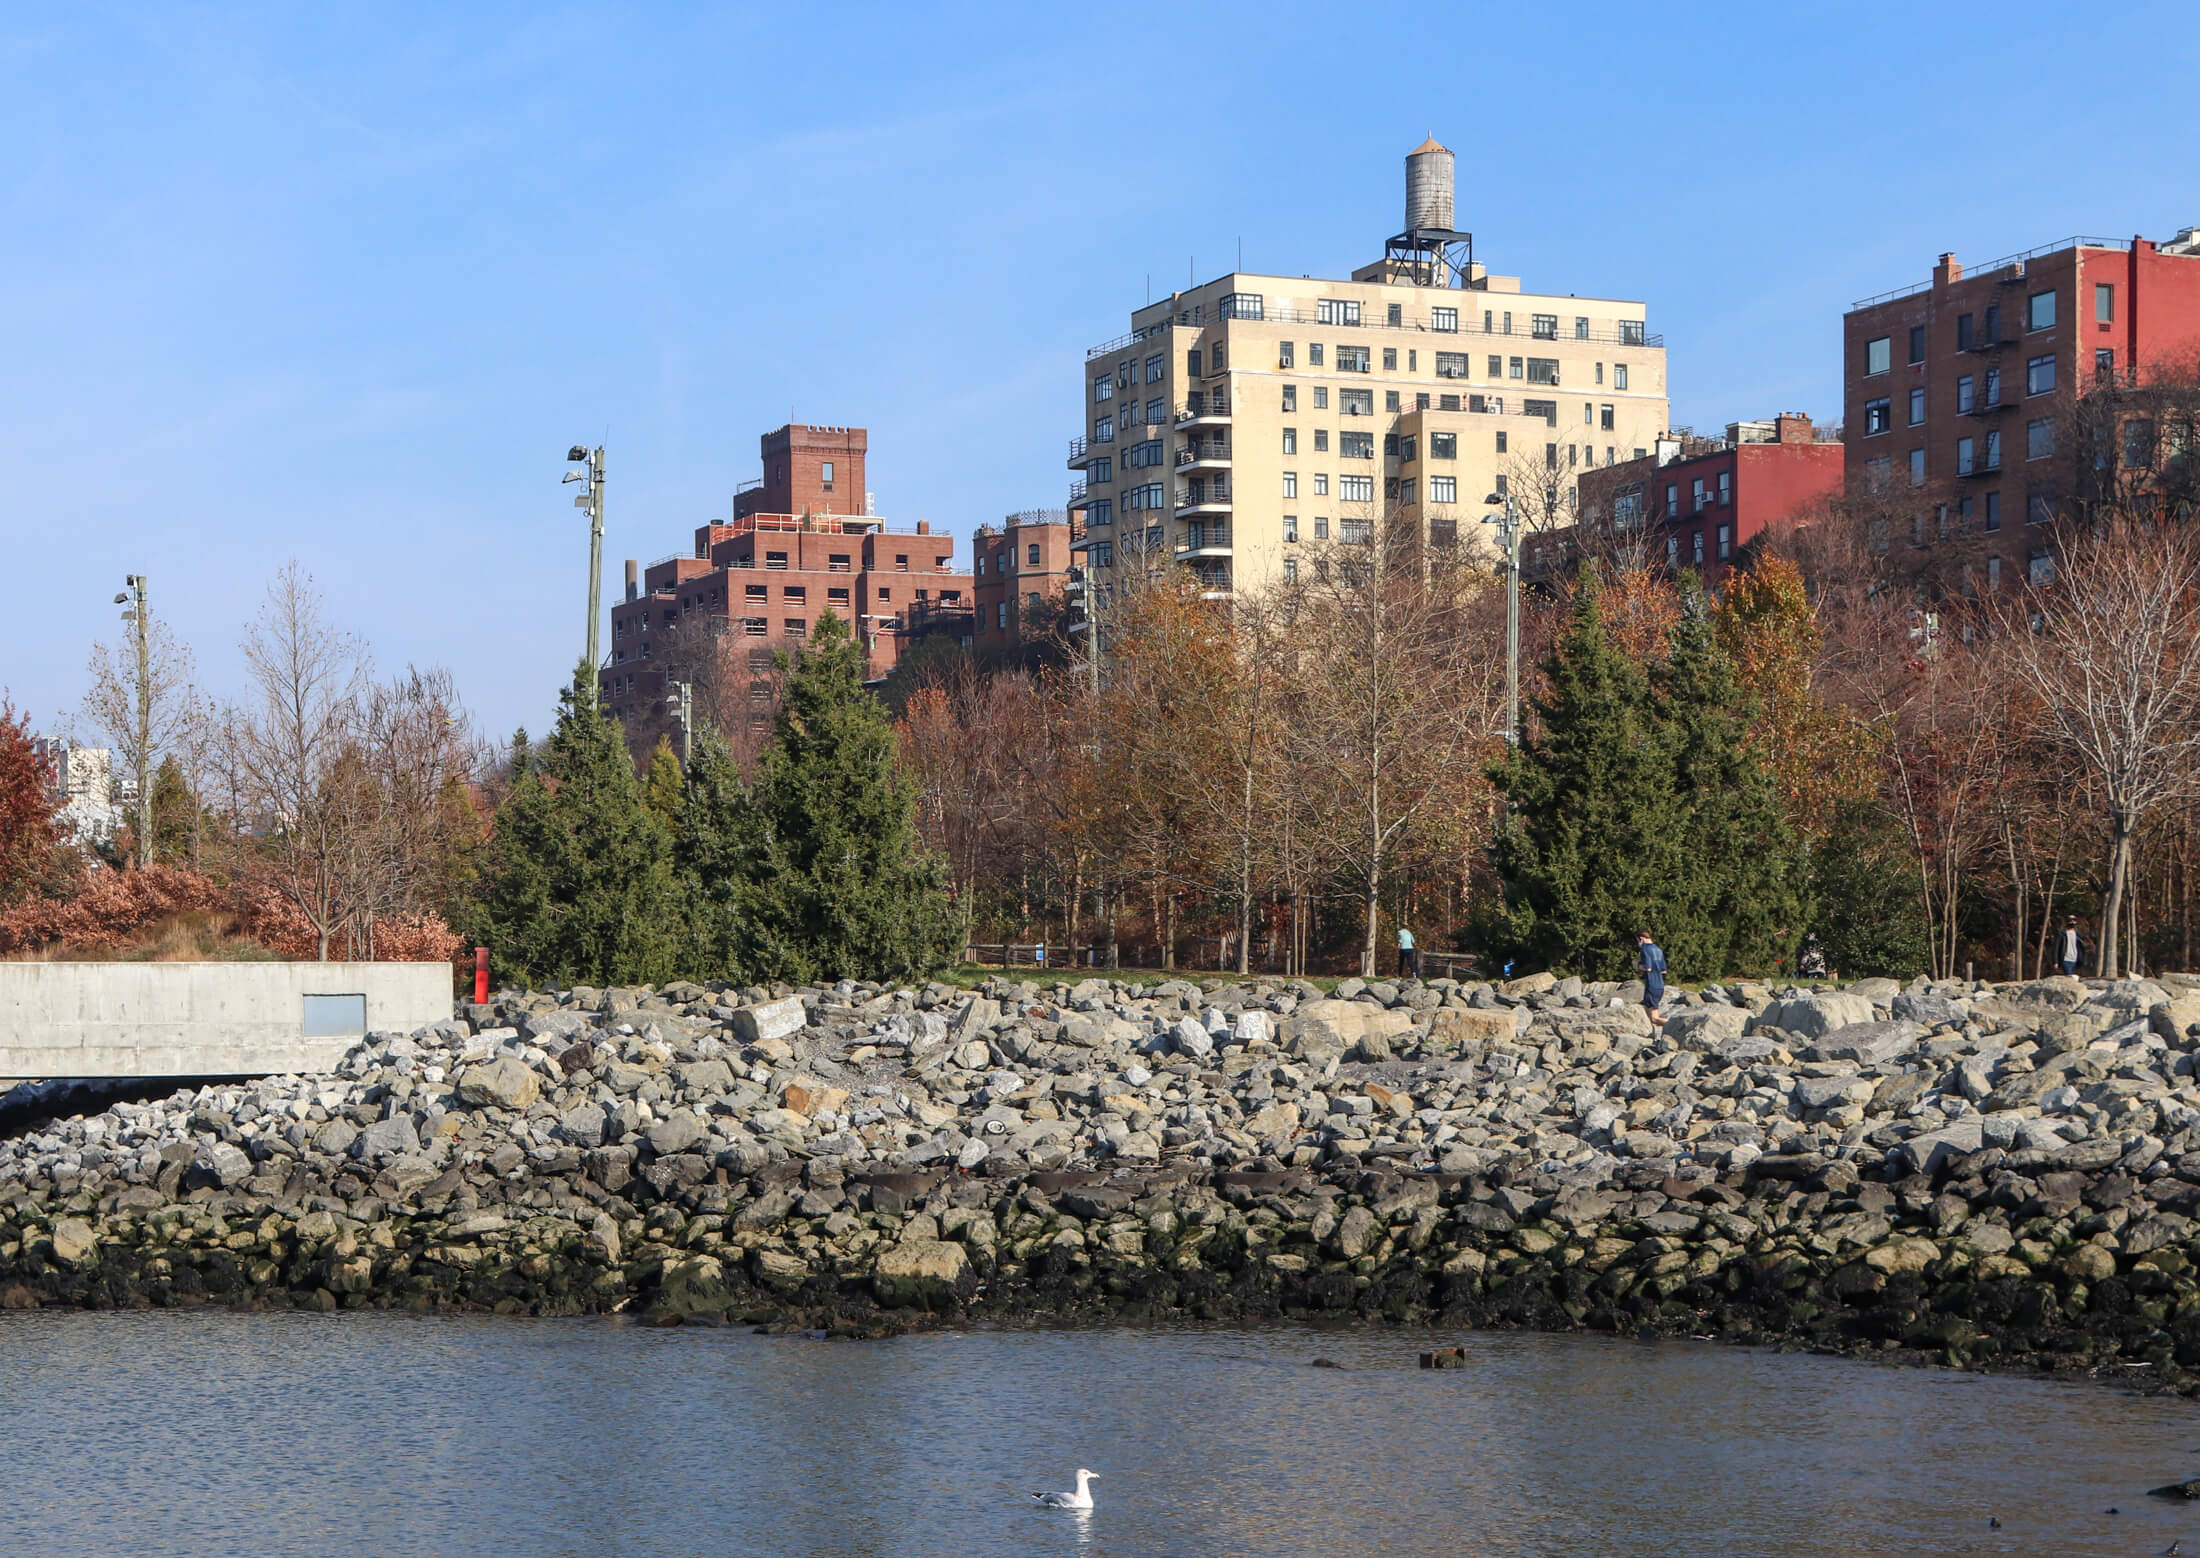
<point x="2039" y="438"/>
<point x="1917" y="407"/>
<point x="1156" y="366"/>
<point x="1963" y="516"/>
<point x="1453" y="365"/>
<point x="901" y="562"/>
<point x="1993" y="450"/>
<point x="2039" y="504"/>
<point x="1544" y="327"/>
<point x="1443" y="489"/>
<point x="1917" y="467"/>
<point x="1550" y="457"/>
<point x="1993" y="512"/>
<point x="1726" y="489"/>
<point x="1103" y="431"/>
<point x="1356" y="402"/>
<point x="1321" y="440"/>
<point x="1191" y="363"/>
<point x="1516" y="367"/>
<point x="1445" y="320"/>
<point x="1321" y="397"/>
<point x="2104" y="364"/>
<point x="1542" y="370"/>
<point x="1321" y="528"/>
<point x="2041" y="567"/>
<point x="1600" y="373"/>
<point x="1321" y="484"/>
<point x="825" y="472"/>
<point x="1153" y="412"/>
<point x="885" y="594"/>
<point x="1336" y="311"/>
<point x="980" y="572"/>
<point x="756" y="592"/>
<point x="1291" y="569"/>
<point x="1697" y="493"/>
<point x="775" y="560"/>
<point x="1546" y="409"/>
<point x="1497" y="365"/>
<point x="1101" y="471"/>
<point x="1604" y="421"/>
<point x="1390" y="400"/>
<point x="1581" y="327"/>
<point x="1103" y="388"/>
<point x="1413" y="360"/>
<point x="1100" y="511"/>
<point x="1726" y="540"/>
<point x="1353" y="359"/>
<point x="1917" y="343"/>
<point x="1283" y="354"/>
<point x="1242" y="305"/>
<point x="1672" y="551"/>
<point x="1966" y="337"/>
<point x="1451" y="403"/>
<point x="1290" y="397"/>
<point x="795" y="594"/>
<point x="2039" y="311"/>
<point x="1993" y="387"/>
<point x="1000" y="615"/>
<point x="1672" y="498"/>
<point x="1390" y="356"/>
<point x="1588" y="414"/>
<point x="1487" y="316"/>
<point x="1290" y="527"/>
<point x="1313" y="354"/>
<point x="1290" y="440"/>
<point x="1406" y="448"/>
<point x="1355" y="489"/>
<point x="1878" y="416"/>
<point x="2139" y="442"/>
<point x="1878" y="355"/>
<point x="2039" y="375"/>
<point x="1396" y="315"/>
<point x="1508" y="322"/>
<point x="1031" y="555"/>
<point x="1993" y="573"/>
<point x="1445" y="446"/>
<point x="1696" y="543"/>
<point x="1290" y="484"/>
<point x="1356" y="446"/>
<point x="2104" y="302"/>
<point x="1630" y="332"/>
<point x="1992" y="335"/>
<point x="1619" y="375"/>
<point x="797" y="627"/>
<point x="753" y="627"/>
<point x="1406" y="490"/>
<point x="837" y="596"/>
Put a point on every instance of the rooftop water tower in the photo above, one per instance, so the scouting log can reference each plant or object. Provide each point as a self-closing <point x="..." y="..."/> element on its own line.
<point x="1430" y="252"/>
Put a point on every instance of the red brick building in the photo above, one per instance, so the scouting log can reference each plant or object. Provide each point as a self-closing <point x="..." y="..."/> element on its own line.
<point x="1696" y="502"/>
<point x="809" y="470"/>
<point x="1957" y="391"/>
<point x="1020" y="569"/>
<point x="761" y="582"/>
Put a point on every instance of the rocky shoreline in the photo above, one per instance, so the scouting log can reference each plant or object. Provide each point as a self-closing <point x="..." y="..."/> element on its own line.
<point x="1973" y="1175"/>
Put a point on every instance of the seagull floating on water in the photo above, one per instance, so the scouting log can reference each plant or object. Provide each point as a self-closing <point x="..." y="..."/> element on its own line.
<point x="1081" y="1499"/>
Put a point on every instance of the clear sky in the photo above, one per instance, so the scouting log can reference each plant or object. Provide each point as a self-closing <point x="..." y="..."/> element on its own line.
<point x="343" y="283"/>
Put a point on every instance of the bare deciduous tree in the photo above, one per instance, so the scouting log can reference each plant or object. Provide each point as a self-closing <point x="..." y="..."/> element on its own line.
<point x="145" y="719"/>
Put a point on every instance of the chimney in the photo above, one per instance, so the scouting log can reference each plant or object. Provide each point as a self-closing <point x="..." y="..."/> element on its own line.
<point x="924" y="527"/>
<point x="1794" y="428"/>
<point x="633" y="582"/>
<point x="1949" y="269"/>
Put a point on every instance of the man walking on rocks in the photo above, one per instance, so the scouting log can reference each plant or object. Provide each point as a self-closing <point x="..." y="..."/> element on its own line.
<point x="2070" y="946"/>
<point x="1651" y="959"/>
<point x="1409" y="961"/>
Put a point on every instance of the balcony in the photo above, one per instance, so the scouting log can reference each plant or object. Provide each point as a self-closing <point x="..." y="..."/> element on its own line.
<point x="1213" y="498"/>
<point x="1979" y="469"/>
<point x="1212" y="456"/>
<point x="1079" y="455"/>
<point x="1204" y="541"/>
<point x="1205" y="408"/>
<point x="1076" y="494"/>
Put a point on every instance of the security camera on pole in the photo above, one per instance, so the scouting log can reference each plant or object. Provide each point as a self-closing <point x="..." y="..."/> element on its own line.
<point x="134" y="598"/>
<point x="591" y="472"/>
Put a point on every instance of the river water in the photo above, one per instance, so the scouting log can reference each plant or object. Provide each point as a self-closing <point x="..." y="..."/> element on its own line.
<point x="366" y="1434"/>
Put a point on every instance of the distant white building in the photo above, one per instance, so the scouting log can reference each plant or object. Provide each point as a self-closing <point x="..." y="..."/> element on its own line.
<point x="94" y="797"/>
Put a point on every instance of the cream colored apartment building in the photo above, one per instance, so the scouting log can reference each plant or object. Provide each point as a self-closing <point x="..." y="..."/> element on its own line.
<point x="1243" y="423"/>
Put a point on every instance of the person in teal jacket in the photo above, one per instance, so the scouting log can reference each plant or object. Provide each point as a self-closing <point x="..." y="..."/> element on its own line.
<point x="1650" y="957"/>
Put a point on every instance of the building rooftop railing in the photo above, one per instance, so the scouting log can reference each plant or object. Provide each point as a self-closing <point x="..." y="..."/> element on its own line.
<point x="1522" y="331"/>
<point x="2076" y="241"/>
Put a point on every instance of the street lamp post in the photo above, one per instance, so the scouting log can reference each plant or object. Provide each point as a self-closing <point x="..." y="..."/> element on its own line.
<point x="134" y="597"/>
<point x="591" y="472"/>
<point x="1507" y="521"/>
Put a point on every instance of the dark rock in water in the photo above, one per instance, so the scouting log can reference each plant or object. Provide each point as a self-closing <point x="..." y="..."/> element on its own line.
<point x="1327" y="1363"/>
<point x="2183" y="1490"/>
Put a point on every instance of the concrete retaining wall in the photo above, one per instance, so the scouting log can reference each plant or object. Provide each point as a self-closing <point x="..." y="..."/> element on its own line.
<point x="82" y="1020"/>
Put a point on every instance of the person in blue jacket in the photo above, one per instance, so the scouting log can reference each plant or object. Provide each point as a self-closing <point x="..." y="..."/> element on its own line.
<point x="1650" y="957"/>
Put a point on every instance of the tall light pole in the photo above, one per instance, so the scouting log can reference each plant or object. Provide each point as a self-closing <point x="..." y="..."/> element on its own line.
<point x="1507" y="521"/>
<point x="134" y="598"/>
<point x="683" y="709"/>
<point x="591" y="472"/>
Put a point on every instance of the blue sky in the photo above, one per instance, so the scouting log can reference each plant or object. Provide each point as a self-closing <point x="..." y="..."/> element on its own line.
<point x="342" y="285"/>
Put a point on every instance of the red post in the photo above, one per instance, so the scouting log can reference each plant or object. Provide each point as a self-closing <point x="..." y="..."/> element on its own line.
<point x="481" y="975"/>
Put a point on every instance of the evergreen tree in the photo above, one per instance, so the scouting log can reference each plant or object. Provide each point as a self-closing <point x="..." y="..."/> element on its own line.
<point x="1593" y="843"/>
<point x="717" y="853"/>
<point x="577" y="887"/>
<point x="1738" y="897"/>
<point x="836" y="884"/>
<point x="175" y="815"/>
<point x="1868" y="919"/>
<point x="661" y="789"/>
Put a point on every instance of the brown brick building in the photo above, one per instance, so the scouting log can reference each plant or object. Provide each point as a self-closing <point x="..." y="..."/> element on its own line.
<point x="761" y="582"/>
<point x="1957" y="392"/>
<point x="1020" y="574"/>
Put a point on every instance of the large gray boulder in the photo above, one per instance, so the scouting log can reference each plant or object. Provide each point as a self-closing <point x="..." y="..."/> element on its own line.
<point x="779" y="1019"/>
<point x="1927" y="1011"/>
<point x="1704" y="1027"/>
<point x="1815" y="1016"/>
<point x="1866" y="1043"/>
<point x="386" y="1139"/>
<point x="504" y="1083"/>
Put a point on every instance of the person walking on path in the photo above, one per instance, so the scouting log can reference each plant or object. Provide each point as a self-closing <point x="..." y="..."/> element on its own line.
<point x="2070" y="946"/>
<point x="1409" y="961"/>
<point x="1650" y="957"/>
